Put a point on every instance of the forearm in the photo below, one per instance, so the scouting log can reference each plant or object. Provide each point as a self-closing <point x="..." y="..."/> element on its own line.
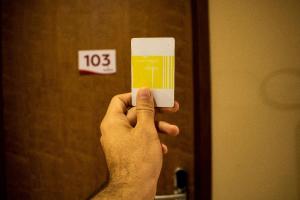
<point x="121" y="191"/>
<point x="111" y="191"/>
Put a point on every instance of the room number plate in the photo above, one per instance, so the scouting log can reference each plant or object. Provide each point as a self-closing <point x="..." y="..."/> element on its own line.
<point x="97" y="61"/>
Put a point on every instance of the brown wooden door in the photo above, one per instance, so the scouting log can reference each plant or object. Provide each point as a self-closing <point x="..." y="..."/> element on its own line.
<point x="51" y="112"/>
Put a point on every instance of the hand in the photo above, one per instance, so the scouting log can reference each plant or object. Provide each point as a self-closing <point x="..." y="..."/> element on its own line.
<point x="132" y="147"/>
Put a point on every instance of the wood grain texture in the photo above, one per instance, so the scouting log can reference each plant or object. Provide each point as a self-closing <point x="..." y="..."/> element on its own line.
<point x="51" y="112"/>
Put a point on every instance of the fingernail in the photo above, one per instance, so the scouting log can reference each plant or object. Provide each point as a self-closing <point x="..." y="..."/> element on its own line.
<point x="144" y="93"/>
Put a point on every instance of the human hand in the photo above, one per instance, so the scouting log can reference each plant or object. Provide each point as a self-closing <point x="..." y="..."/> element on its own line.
<point x="131" y="145"/>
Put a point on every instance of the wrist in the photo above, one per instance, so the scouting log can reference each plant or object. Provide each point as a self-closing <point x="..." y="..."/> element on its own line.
<point x="140" y="182"/>
<point x="134" y="190"/>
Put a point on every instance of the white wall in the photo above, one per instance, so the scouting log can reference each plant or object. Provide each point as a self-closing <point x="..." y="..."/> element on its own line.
<point x="255" y="60"/>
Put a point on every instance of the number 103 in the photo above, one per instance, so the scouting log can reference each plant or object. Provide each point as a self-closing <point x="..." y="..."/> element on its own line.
<point x="96" y="60"/>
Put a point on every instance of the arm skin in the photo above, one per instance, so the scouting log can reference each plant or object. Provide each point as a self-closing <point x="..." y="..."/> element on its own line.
<point x="125" y="191"/>
<point x="133" y="151"/>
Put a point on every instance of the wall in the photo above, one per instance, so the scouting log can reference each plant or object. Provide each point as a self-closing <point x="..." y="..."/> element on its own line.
<point x="255" y="62"/>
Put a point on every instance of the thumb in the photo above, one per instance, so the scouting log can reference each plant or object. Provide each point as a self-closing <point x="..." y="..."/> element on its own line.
<point x="145" y="107"/>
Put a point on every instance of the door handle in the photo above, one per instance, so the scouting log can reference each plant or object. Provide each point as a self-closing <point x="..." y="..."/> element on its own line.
<point x="171" y="197"/>
<point x="180" y="186"/>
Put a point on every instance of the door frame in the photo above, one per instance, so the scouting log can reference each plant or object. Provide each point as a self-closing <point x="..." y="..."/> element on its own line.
<point x="2" y="138"/>
<point x="202" y="100"/>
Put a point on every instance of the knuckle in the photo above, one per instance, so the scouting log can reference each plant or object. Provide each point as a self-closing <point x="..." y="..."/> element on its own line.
<point x="147" y="128"/>
<point x="114" y="98"/>
<point x="101" y="140"/>
<point x="148" y="107"/>
<point x="101" y="120"/>
<point x="103" y="125"/>
<point x="106" y="124"/>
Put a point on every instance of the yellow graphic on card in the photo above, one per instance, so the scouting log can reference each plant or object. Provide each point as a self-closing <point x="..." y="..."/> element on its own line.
<point x="153" y="71"/>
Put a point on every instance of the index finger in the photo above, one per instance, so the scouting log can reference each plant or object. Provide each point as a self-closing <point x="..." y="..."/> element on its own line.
<point x="173" y="109"/>
<point x="119" y="103"/>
